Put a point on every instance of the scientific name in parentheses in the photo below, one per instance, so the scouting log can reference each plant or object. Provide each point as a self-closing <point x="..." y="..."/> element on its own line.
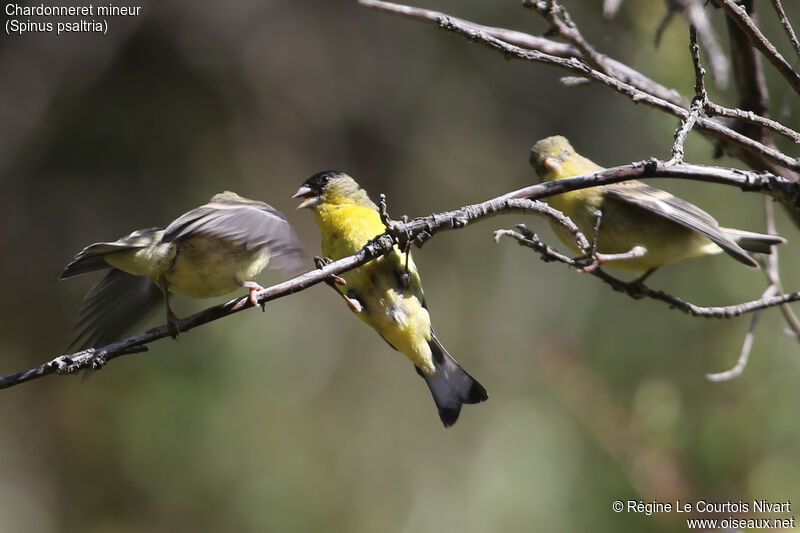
<point x="41" y="10"/>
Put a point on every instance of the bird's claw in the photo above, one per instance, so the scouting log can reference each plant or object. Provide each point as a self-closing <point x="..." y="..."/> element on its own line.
<point x="333" y="280"/>
<point x="322" y="262"/>
<point x="173" y="322"/>
<point x="587" y="263"/>
<point x="591" y="267"/>
<point x="254" y="287"/>
<point x="354" y="305"/>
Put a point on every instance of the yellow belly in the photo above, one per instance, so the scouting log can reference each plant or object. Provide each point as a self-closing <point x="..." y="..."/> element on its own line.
<point x="199" y="267"/>
<point x="207" y="267"/>
<point x="394" y="311"/>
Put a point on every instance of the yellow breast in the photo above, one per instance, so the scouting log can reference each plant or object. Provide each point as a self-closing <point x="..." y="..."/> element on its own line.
<point x="393" y="310"/>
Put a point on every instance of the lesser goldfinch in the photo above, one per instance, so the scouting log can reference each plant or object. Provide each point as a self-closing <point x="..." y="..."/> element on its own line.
<point x="209" y="251"/>
<point x="387" y="291"/>
<point x="644" y="227"/>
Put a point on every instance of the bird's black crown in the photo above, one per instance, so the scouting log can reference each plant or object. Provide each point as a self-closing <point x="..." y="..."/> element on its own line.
<point x="317" y="181"/>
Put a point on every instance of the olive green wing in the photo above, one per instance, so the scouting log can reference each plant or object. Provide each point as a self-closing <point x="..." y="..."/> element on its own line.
<point x="675" y="209"/>
<point x="242" y="222"/>
<point x="408" y="280"/>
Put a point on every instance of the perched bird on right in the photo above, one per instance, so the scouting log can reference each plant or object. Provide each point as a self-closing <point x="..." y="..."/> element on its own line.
<point x="642" y="228"/>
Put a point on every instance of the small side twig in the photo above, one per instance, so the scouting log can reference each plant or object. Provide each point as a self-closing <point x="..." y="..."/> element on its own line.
<point x="683" y="130"/>
<point x="526" y="237"/>
<point x="744" y="355"/>
<point x="772" y="271"/>
<point x="562" y="24"/>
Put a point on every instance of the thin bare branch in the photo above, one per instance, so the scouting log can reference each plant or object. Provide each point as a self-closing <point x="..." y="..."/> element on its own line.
<point x="561" y="22"/>
<point x="772" y="270"/>
<point x="638" y="290"/>
<point x="578" y="67"/>
<point x="696" y="16"/>
<point x="740" y="16"/>
<point x="533" y="42"/>
<point x="683" y="130"/>
<point x="744" y="355"/>
<point x="786" y="25"/>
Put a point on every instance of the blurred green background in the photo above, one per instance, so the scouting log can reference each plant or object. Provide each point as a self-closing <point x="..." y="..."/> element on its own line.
<point x="301" y="418"/>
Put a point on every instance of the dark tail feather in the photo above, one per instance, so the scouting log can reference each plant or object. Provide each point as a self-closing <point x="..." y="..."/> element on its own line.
<point x="451" y="387"/>
<point x="753" y="242"/>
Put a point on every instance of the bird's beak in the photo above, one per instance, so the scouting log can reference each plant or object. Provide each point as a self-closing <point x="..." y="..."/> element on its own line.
<point x="311" y="198"/>
<point x="552" y="164"/>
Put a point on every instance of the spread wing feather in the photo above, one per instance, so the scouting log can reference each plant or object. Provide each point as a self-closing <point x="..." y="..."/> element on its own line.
<point x="242" y="222"/>
<point x="116" y="303"/>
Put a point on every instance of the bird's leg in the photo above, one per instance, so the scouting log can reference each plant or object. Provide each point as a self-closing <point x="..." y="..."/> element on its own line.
<point x="254" y="287"/>
<point x="598" y="221"/>
<point x="334" y="280"/>
<point x="592" y="256"/>
<point x="640" y="280"/>
<point x="638" y="286"/>
<point x="172" y="319"/>
<point x="634" y="253"/>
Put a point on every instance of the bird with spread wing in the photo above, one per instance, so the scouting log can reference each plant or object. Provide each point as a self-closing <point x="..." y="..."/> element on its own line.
<point x="209" y="251"/>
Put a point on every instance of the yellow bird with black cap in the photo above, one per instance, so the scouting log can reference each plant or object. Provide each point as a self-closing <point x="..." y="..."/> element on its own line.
<point x="386" y="293"/>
